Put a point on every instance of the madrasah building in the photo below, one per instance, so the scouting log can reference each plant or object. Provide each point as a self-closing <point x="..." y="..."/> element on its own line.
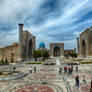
<point x="24" y="50"/>
<point x="84" y="44"/>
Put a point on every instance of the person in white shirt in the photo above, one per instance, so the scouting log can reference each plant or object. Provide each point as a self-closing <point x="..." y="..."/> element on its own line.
<point x="30" y="69"/>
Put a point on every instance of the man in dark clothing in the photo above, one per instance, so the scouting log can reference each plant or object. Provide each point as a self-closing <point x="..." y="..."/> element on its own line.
<point x="14" y="68"/>
<point x="71" y="69"/>
<point x="35" y="69"/>
<point x="65" y="69"/>
<point x="76" y="68"/>
<point x="77" y="80"/>
<point x="60" y="69"/>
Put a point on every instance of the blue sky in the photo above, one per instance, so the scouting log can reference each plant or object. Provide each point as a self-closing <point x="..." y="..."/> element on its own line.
<point x="48" y="20"/>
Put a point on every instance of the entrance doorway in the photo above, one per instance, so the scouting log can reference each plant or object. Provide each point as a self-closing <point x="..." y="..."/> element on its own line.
<point x="83" y="48"/>
<point x="30" y="47"/>
<point x="56" y="52"/>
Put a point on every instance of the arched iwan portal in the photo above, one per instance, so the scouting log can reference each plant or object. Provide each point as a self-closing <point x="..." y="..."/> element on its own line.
<point x="56" y="52"/>
<point x="83" y="48"/>
<point x="30" y="47"/>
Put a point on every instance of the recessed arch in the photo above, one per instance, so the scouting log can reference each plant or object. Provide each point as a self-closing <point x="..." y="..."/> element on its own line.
<point x="30" y="47"/>
<point x="56" y="52"/>
<point x="83" y="44"/>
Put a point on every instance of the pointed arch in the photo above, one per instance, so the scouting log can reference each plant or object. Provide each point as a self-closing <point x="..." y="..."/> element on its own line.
<point x="83" y="44"/>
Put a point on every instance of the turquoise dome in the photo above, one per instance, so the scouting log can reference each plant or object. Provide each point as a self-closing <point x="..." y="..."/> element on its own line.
<point x="42" y="45"/>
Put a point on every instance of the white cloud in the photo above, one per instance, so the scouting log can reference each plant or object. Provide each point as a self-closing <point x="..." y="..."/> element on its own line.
<point x="42" y="23"/>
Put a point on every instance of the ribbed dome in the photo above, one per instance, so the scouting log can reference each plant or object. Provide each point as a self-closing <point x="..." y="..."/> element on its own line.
<point x="42" y="45"/>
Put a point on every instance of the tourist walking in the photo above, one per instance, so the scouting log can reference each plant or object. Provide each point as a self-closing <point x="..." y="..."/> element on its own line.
<point x="65" y="69"/>
<point x="71" y="69"/>
<point x="35" y="69"/>
<point x="84" y="80"/>
<point x="60" y="69"/>
<point x="77" y="80"/>
<point x="76" y="68"/>
<point x="30" y="69"/>
<point x="14" y="68"/>
<point x="68" y="70"/>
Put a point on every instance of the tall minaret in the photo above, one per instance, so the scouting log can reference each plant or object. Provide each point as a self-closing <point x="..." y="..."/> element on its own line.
<point x="20" y="53"/>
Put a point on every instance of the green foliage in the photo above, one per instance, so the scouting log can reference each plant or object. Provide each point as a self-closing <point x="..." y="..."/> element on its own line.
<point x="73" y="54"/>
<point x="37" y="54"/>
<point x="87" y="62"/>
<point x="34" y="63"/>
<point x="67" y="56"/>
<point x="45" y="55"/>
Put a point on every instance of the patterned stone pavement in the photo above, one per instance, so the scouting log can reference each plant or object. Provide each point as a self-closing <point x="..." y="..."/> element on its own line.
<point x="48" y="79"/>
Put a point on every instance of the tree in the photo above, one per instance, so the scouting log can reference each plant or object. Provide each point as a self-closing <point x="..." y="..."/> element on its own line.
<point x="67" y="56"/>
<point x="37" y="54"/>
<point x="45" y="55"/>
<point x="73" y="55"/>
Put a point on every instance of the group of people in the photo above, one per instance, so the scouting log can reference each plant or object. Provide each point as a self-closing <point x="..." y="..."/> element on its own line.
<point x="84" y="81"/>
<point x="70" y="70"/>
<point x="31" y="70"/>
<point x="77" y="80"/>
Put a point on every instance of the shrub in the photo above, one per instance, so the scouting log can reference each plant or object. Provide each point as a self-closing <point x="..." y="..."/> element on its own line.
<point x="34" y="63"/>
<point x="87" y="62"/>
<point x="45" y="55"/>
<point x="37" y="54"/>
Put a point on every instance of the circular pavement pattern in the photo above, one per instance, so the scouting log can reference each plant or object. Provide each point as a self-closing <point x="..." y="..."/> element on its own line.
<point x="85" y="88"/>
<point x="36" y="88"/>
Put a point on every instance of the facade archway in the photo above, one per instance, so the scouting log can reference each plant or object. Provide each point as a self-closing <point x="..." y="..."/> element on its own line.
<point x="56" y="52"/>
<point x="30" y="47"/>
<point x="83" y="48"/>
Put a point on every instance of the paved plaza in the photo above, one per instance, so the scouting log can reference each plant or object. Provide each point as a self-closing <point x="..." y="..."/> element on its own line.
<point x="48" y="79"/>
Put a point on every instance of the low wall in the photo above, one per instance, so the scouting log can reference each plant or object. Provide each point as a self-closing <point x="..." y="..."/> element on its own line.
<point x="18" y="76"/>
